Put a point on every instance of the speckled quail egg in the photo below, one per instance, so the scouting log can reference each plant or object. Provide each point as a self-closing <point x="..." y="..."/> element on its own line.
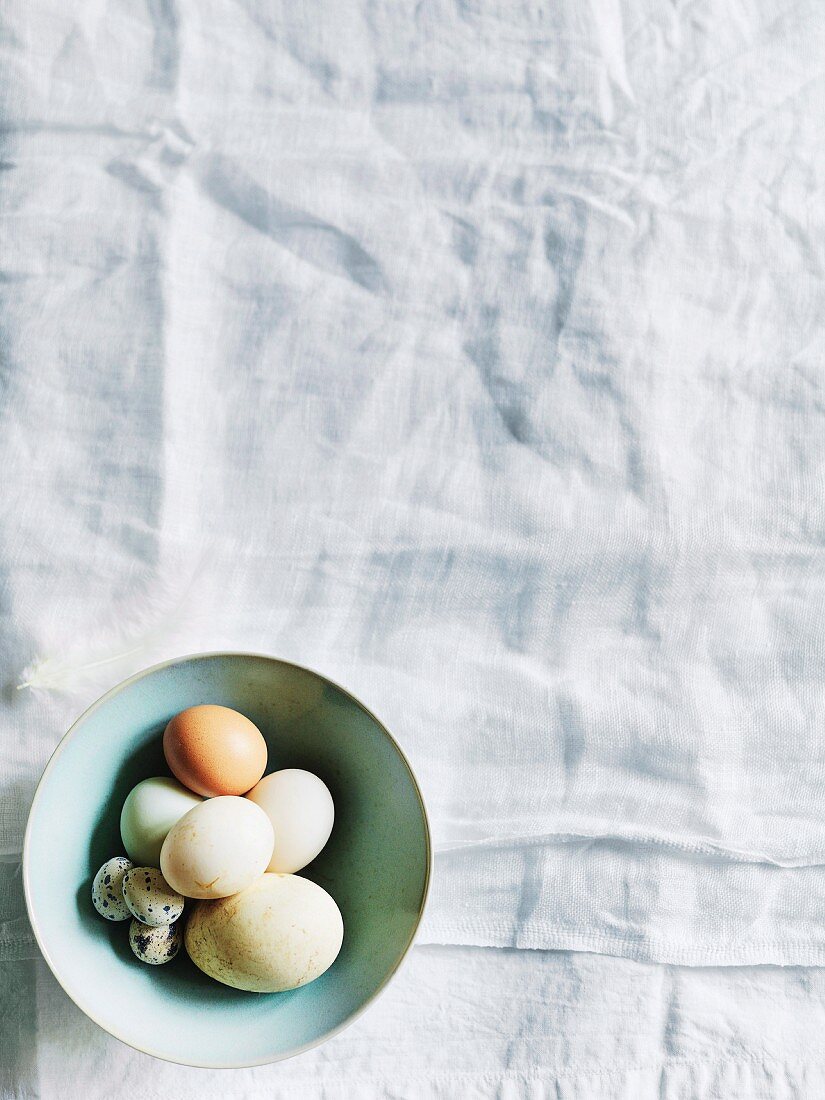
<point x="155" y="946"/>
<point x="150" y="898"/>
<point x="107" y="889"/>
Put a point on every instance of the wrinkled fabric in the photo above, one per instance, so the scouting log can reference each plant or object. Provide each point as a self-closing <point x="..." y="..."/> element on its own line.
<point x="477" y="1023"/>
<point x="469" y="353"/>
<point x="472" y="358"/>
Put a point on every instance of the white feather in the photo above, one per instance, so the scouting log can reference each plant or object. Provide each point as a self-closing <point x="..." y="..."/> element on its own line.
<point x="150" y="624"/>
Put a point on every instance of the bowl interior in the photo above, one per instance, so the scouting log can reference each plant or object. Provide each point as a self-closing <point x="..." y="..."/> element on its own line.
<point x="375" y="865"/>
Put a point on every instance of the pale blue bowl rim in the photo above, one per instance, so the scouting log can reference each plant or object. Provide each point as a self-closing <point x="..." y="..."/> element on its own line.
<point x="78" y="998"/>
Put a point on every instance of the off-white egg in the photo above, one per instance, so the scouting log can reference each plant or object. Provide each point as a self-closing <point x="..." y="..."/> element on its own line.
<point x="149" y="812"/>
<point x="279" y="933"/>
<point x="300" y="808"/>
<point x="217" y="848"/>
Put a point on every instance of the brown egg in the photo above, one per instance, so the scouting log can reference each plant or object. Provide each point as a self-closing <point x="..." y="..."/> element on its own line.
<point x="214" y="750"/>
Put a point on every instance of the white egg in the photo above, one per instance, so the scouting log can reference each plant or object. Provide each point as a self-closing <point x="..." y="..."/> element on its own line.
<point x="155" y="946"/>
<point x="107" y="889"/>
<point x="217" y="848"/>
<point x="149" y="812"/>
<point x="300" y="808"/>
<point x="280" y="933"/>
<point x="149" y="897"/>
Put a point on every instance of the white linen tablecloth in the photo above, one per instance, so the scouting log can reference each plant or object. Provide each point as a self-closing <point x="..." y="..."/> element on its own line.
<point x="470" y="353"/>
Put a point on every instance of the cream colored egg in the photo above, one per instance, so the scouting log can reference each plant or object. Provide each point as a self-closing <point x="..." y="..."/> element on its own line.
<point x="300" y="808"/>
<point x="218" y="848"/>
<point x="281" y="932"/>
<point x="149" y="812"/>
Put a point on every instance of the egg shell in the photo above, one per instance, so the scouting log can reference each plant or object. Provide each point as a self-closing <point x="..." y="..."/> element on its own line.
<point x="155" y="946"/>
<point x="149" y="897"/>
<point x="149" y="812"/>
<point x="217" y="848"/>
<point x="107" y="889"/>
<point x="301" y="810"/>
<point x="280" y="933"/>
<point x="213" y="750"/>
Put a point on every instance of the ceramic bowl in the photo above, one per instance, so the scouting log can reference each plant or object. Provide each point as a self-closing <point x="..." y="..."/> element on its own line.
<point x="376" y="864"/>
